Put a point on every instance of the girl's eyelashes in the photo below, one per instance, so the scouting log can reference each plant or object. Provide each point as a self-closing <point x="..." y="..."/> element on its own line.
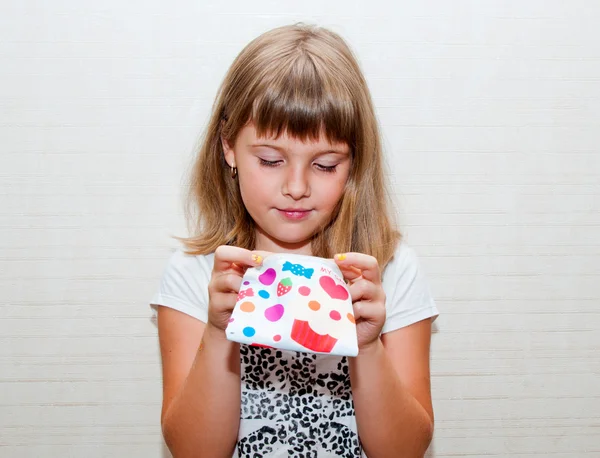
<point x="322" y="168"/>
<point x="268" y="163"/>
<point x="326" y="168"/>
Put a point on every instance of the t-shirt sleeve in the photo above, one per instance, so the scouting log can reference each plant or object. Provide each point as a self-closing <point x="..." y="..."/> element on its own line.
<point x="184" y="285"/>
<point x="408" y="297"/>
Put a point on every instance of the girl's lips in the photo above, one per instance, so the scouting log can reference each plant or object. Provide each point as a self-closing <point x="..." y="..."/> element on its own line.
<point x="294" y="214"/>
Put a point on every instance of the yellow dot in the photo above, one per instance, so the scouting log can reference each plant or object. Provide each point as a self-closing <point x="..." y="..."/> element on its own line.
<point x="351" y="318"/>
<point x="247" y="307"/>
<point x="314" y="305"/>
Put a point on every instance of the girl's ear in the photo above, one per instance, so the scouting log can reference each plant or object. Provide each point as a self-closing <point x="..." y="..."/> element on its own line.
<point x="228" y="152"/>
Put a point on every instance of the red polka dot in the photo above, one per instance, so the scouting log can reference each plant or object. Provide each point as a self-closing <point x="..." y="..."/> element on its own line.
<point x="277" y="338"/>
<point x="335" y="315"/>
<point x="304" y="290"/>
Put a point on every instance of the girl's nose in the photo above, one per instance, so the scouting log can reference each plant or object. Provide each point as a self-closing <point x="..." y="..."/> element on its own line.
<point x="296" y="184"/>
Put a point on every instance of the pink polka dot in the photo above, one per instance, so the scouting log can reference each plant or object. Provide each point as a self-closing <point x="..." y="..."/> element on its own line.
<point x="231" y="320"/>
<point x="335" y="315"/>
<point x="274" y="313"/>
<point x="304" y="290"/>
<point x="277" y="338"/>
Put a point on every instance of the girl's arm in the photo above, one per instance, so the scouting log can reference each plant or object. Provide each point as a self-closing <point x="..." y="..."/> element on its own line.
<point x="201" y="368"/>
<point x="390" y="375"/>
<point x="391" y="392"/>
<point x="201" y="387"/>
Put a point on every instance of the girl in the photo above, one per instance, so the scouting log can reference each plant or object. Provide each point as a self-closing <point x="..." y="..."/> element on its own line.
<point x="292" y="162"/>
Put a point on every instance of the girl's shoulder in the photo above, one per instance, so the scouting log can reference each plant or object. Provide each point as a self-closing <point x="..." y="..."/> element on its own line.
<point x="407" y="291"/>
<point x="404" y="258"/>
<point x="183" y="285"/>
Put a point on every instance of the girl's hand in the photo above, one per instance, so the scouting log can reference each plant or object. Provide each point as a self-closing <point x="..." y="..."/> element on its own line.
<point x="368" y="297"/>
<point x="229" y="267"/>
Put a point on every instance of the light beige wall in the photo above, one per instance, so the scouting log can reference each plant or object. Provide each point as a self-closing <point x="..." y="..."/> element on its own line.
<point x="490" y="115"/>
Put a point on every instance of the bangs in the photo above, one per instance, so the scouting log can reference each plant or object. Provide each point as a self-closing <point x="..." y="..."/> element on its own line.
<point x="304" y="102"/>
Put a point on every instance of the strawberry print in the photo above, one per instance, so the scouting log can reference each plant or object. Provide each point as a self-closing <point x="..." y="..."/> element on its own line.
<point x="284" y="287"/>
<point x="245" y="293"/>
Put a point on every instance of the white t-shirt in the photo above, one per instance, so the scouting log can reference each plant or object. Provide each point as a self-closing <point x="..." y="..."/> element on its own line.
<point x="297" y="404"/>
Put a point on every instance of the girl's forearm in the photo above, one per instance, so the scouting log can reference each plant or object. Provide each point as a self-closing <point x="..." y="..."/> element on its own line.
<point x="390" y="421"/>
<point x="203" y="420"/>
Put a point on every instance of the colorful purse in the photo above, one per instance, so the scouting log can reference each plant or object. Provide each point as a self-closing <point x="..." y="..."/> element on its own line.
<point x="295" y="302"/>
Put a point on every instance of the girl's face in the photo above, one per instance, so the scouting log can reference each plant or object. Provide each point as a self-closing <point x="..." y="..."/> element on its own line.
<point x="289" y="187"/>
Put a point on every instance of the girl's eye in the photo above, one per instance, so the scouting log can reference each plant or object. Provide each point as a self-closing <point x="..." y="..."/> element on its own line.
<point x="326" y="168"/>
<point x="268" y="163"/>
<point x="322" y="168"/>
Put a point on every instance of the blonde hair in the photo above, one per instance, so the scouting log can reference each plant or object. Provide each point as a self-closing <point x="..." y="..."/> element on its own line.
<point x="305" y="81"/>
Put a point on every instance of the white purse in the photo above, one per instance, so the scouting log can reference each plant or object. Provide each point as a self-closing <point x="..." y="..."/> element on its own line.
<point x="295" y="302"/>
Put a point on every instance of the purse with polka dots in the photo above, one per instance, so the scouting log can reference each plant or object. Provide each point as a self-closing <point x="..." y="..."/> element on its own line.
<point x="295" y="302"/>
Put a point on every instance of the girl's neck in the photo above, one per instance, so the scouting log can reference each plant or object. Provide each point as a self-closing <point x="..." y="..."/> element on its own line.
<point x="266" y="243"/>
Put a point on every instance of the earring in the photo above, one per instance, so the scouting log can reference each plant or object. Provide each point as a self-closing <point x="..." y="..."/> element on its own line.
<point x="233" y="172"/>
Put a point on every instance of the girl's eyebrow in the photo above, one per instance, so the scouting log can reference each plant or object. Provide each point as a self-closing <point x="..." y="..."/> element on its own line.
<point x="281" y="149"/>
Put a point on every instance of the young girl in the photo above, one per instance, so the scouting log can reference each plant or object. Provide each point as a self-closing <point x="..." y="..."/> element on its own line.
<point x="292" y="162"/>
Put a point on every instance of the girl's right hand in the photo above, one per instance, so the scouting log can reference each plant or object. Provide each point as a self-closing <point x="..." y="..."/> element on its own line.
<point x="229" y="267"/>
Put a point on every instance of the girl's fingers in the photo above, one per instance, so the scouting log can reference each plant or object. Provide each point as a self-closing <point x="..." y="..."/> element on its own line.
<point x="260" y="255"/>
<point x="364" y="290"/>
<point x="350" y="273"/>
<point x="227" y="283"/>
<point x="230" y="264"/>
<point x="355" y="265"/>
<point x="367" y="311"/>
<point x="368" y="301"/>
<point x="227" y="257"/>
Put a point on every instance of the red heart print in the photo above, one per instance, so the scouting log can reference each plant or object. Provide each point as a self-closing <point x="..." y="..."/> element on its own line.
<point x="335" y="291"/>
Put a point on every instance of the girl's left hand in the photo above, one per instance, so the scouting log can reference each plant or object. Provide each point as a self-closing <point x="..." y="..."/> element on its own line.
<point x="368" y="297"/>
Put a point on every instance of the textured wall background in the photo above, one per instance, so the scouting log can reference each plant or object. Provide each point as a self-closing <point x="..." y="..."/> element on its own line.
<point x="490" y="112"/>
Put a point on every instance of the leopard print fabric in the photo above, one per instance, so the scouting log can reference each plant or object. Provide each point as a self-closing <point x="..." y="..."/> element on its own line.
<point x="295" y="405"/>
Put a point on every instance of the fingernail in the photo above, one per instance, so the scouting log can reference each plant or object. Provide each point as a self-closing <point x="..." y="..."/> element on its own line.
<point x="257" y="258"/>
<point x="340" y="257"/>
